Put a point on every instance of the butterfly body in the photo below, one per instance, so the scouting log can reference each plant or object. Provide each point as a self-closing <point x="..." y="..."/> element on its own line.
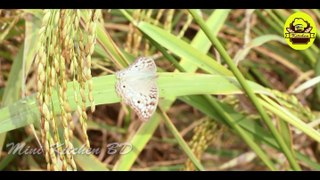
<point x="136" y="85"/>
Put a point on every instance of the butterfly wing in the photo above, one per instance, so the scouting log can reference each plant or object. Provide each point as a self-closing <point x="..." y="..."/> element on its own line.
<point x="142" y="65"/>
<point x="137" y="86"/>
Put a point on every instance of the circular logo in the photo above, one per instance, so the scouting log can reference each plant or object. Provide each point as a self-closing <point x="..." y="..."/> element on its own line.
<point x="299" y="31"/>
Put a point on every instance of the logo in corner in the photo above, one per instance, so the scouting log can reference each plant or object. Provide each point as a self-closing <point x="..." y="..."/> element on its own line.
<point x="300" y="31"/>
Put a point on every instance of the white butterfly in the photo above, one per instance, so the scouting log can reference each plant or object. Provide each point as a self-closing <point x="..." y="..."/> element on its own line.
<point x="137" y="87"/>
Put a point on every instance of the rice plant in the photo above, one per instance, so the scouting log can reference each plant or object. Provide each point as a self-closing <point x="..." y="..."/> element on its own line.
<point x="231" y="93"/>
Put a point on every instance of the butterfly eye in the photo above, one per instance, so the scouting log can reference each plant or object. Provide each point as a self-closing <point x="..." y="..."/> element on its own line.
<point x="138" y="102"/>
<point x="123" y="86"/>
<point x="136" y="66"/>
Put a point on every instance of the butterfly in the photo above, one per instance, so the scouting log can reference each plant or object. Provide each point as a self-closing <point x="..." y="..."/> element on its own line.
<point x="137" y="87"/>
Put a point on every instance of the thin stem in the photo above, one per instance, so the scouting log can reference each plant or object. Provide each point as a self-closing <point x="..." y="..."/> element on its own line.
<point x="180" y="140"/>
<point x="255" y="147"/>
<point x="247" y="89"/>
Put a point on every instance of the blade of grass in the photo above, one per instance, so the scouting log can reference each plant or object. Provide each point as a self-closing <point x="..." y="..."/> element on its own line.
<point x="142" y="137"/>
<point x="311" y="82"/>
<point x="21" y="66"/>
<point x="317" y="88"/>
<point x="87" y="162"/>
<point x="242" y="133"/>
<point x="6" y="160"/>
<point x="8" y="29"/>
<point x="258" y="41"/>
<point x="290" y="118"/>
<point x="215" y="22"/>
<point x="251" y="143"/>
<point x="309" y="162"/>
<point x="108" y="45"/>
<point x="180" y="140"/>
<point x="285" y="132"/>
<point x="180" y="47"/>
<point x="253" y="128"/>
<point x="25" y="111"/>
<point x="10" y="157"/>
<point x="145" y="132"/>
<point x="138" y="141"/>
<point x="247" y="89"/>
<point x="12" y="89"/>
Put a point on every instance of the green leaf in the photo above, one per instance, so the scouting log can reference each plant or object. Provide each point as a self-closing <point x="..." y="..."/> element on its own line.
<point x="12" y="89"/>
<point x="310" y="83"/>
<point x="20" y="67"/>
<point x="143" y="135"/>
<point x="87" y="162"/>
<point x="183" y="49"/>
<point x="25" y="111"/>
<point x="258" y="41"/>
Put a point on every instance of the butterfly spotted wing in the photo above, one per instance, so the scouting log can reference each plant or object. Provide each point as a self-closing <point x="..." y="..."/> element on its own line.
<point x="136" y="85"/>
